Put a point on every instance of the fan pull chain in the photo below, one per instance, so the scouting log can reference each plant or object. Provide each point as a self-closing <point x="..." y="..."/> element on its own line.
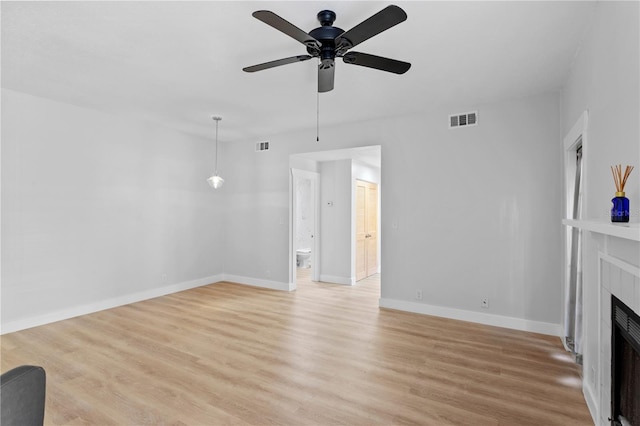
<point x="318" y="117"/>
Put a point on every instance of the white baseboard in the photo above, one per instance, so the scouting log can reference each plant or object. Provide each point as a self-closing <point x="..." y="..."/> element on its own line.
<point x="11" y="326"/>
<point x="590" y="398"/>
<point x="337" y="280"/>
<point x="258" y="282"/>
<point x="472" y="316"/>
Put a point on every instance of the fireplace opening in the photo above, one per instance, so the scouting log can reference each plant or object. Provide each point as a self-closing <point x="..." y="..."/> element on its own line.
<point x="625" y="365"/>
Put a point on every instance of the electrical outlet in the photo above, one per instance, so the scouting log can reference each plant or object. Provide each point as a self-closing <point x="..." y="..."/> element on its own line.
<point x="484" y="302"/>
<point x="419" y="294"/>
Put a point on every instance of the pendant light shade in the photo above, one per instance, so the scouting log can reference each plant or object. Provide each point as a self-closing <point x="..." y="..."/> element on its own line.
<point x="216" y="181"/>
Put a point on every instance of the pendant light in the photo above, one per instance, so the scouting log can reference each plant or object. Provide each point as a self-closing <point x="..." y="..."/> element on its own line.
<point x="216" y="181"/>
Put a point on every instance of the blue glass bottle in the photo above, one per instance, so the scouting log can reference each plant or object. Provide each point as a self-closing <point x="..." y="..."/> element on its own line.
<point x="620" y="209"/>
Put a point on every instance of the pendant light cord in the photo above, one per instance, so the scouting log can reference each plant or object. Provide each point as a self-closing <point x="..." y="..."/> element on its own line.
<point x="217" y="120"/>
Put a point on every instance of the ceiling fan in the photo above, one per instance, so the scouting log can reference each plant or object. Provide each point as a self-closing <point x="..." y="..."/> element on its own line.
<point x="328" y="42"/>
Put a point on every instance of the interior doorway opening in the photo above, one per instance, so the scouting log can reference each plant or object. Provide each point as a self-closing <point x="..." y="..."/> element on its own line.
<point x="305" y="201"/>
<point x="333" y="257"/>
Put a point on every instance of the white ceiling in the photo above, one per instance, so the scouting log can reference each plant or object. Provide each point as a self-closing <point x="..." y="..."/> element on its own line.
<point x="178" y="63"/>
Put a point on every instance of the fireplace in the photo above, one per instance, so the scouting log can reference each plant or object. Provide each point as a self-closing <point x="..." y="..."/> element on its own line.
<point x="625" y="365"/>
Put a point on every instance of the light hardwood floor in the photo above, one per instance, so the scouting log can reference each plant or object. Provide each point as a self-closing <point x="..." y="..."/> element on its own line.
<point x="322" y="355"/>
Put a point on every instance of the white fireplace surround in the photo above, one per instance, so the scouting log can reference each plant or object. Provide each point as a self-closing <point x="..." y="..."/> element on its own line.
<point x="613" y="276"/>
<point x="623" y="281"/>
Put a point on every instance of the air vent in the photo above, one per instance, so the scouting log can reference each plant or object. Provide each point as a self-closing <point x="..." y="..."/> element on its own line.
<point x="262" y="146"/>
<point x="463" y="120"/>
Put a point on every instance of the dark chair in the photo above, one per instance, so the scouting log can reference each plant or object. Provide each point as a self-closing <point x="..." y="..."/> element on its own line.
<point x="22" y="394"/>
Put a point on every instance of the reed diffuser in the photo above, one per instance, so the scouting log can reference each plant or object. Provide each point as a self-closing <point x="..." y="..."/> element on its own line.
<point x="620" y="209"/>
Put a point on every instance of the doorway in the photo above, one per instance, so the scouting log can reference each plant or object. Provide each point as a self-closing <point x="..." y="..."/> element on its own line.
<point x="336" y="172"/>
<point x="366" y="229"/>
<point x="305" y="218"/>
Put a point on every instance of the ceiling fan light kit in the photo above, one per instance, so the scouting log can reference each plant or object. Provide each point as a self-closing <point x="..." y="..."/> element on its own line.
<point x="328" y="42"/>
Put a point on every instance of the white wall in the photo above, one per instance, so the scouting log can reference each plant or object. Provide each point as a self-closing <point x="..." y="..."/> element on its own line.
<point x="256" y="222"/>
<point x="473" y="212"/>
<point x="477" y="209"/>
<point x="604" y="80"/>
<point x="98" y="211"/>
<point x="303" y="164"/>
<point x="335" y="221"/>
<point x="365" y="172"/>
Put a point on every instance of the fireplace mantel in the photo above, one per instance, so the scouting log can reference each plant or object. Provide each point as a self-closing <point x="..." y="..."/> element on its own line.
<point x="629" y="231"/>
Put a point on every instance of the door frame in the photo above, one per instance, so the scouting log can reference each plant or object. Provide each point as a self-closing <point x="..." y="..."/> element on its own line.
<point x="315" y="201"/>
<point x="576" y="137"/>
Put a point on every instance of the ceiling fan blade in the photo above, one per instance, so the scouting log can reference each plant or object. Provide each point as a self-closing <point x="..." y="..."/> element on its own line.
<point x="286" y="27"/>
<point x="326" y="74"/>
<point x="381" y="21"/>
<point x="377" y="62"/>
<point x="277" y="63"/>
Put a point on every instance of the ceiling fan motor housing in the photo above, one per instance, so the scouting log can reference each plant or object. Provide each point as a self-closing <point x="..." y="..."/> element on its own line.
<point x="326" y="35"/>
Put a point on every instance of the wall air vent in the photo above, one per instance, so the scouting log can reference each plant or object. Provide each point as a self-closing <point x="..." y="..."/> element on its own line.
<point x="463" y="120"/>
<point x="262" y="146"/>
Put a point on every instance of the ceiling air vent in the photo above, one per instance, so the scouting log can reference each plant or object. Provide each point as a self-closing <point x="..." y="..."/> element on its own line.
<point x="262" y="146"/>
<point x="463" y="120"/>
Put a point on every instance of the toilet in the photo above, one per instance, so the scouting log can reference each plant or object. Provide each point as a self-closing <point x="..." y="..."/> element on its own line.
<point x="303" y="258"/>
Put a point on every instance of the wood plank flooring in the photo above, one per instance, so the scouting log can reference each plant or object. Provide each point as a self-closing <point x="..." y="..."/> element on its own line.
<point x="322" y="355"/>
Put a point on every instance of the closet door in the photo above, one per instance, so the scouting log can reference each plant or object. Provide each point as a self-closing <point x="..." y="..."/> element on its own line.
<point x="366" y="229"/>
